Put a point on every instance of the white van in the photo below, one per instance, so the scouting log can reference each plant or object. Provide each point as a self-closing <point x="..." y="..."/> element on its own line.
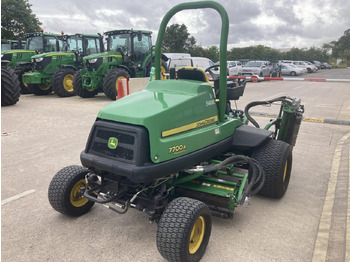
<point x="199" y="62"/>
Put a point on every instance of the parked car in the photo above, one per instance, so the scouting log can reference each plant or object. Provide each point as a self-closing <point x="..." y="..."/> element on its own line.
<point x="325" y="65"/>
<point x="301" y="64"/>
<point x="291" y="70"/>
<point x="311" y="68"/>
<point x="260" y="68"/>
<point x="317" y="63"/>
<point x="234" y="68"/>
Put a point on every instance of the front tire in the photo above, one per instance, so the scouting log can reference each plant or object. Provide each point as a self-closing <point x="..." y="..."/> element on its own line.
<point x="110" y="81"/>
<point x="20" y="71"/>
<point x="64" y="191"/>
<point x="275" y="157"/>
<point x="10" y="88"/>
<point x="78" y="87"/>
<point x="184" y="230"/>
<point x="62" y="82"/>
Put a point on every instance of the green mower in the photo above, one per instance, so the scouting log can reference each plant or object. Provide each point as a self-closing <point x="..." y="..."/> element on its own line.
<point x="179" y="153"/>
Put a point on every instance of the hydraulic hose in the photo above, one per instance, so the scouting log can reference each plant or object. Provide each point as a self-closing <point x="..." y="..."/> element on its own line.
<point x="257" y="177"/>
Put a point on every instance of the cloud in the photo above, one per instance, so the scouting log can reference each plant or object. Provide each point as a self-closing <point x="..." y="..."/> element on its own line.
<point x="279" y="24"/>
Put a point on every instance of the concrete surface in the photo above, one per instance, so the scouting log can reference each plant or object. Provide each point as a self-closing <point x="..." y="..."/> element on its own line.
<point x="41" y="135"/>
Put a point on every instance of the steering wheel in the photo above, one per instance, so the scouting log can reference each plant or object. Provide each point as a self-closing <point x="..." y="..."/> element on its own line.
<point x="210" y="71"/>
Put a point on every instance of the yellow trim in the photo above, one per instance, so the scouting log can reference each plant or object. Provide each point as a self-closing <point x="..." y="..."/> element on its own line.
<point x="120" y="56"/>
<point x="197" y="235"/>
<point x="22" y="51"/>
<point x="223" y="187"/>
<point x="198" y="124"/>
<point x="60" y="54"/>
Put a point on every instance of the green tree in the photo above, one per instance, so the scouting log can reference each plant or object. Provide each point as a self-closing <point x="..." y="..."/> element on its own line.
<point x="16" y="15"/>
<point x="177" y="40"/>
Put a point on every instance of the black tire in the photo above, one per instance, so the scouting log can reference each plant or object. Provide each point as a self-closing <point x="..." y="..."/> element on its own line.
<point x="175" y="240"/>
<point x="293" y="73"/>
<point x="275" y="157"/>
<point x="62" y="82"/>
<point x="163" y="68"/>
<point x="78" y="87"/>
<point x="64" y="191"/>
<point x="10" y="89"/>
<point x="40" y="90"/>
<point x="20" y="71"/>
<point x="110" y="81"/>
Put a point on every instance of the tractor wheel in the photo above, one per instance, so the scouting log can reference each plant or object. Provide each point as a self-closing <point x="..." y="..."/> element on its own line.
<point x="163" y="70"/>
<point x="275" y="157"/>
<point x="40" y="89"/>
<point x="78" y="87"/>
<point x="10" y="89"/>
<point x="184" y="230"/>
<point x="20" y="71"/>
<point x="110" y="81"/>
<point x="62" y="82"/>
<point x="64" y="191"/>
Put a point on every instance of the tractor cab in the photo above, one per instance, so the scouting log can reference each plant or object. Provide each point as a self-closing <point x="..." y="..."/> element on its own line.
<point x="134" y="45"/>
<point x="44" y="42"/>
<point x="84" y="44"/>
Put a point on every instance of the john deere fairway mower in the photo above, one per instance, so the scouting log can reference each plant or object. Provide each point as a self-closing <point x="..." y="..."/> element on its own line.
<point x="55" y="71"/>
<point x="178" y="152"/>
<point x="129" y="54"/>
<point x="38" y="42"/>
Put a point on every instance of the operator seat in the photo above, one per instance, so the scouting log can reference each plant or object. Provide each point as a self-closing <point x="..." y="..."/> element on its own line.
<point x="192" y="73"/>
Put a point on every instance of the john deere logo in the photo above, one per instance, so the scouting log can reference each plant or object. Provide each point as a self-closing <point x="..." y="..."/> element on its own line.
<point x="112" y="143"/>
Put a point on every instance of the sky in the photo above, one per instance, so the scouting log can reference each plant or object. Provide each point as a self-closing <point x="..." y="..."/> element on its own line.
<point x="280" y="24"/>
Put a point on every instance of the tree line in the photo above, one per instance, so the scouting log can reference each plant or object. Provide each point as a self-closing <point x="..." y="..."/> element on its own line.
<point x="178" y="40"/>
<point x="16" y="15"/>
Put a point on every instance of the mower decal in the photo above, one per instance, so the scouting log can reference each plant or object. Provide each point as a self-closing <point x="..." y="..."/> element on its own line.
<point x="191" y="126"/>
<point x="112" y="143"/>
<point x="177" y="149"/>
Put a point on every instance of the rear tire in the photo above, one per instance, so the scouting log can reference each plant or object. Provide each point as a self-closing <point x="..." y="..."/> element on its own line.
<point x="78" y="87"/>
<point x="110" y="81"/>
<point x="62" y="82"/>
<point x="10" y="88"/>
<point x="20" y="71"/>
<point x="293" y="73"/>
<point x="64" y="191"/>
<point x="275" y="157"/>
<point x="184" y="230"/>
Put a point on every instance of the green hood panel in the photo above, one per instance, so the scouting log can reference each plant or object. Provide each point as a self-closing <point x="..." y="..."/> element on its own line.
<point x="181" y="116"/>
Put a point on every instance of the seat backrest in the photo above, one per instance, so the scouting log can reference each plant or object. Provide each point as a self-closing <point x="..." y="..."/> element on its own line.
<point x="192" y="73"/>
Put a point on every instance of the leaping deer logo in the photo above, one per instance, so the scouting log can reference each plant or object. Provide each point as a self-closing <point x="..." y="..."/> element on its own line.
<point x="112" y="143"/>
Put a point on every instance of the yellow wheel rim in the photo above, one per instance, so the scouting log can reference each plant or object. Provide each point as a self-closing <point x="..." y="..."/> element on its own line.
<point x="197" y="235"/>
<point x="68" y="82"/>
<point x="89" y="89"/>
<point x="75" y="197"/>
<point x="285" y="171"/>
<point x="44" y="87"/>
<point x="116" y="82"/>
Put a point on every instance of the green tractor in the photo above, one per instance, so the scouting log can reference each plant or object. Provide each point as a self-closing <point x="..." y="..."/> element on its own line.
<point x="55" y="71"/>
<point x="179" y="153"/>
<point x="129" y="54"/>
<point x="12" y="44"/>
<point x="20" y="59"/>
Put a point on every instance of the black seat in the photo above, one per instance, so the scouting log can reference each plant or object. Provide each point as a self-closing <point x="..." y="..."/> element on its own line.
<point x="192" y="73"/>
